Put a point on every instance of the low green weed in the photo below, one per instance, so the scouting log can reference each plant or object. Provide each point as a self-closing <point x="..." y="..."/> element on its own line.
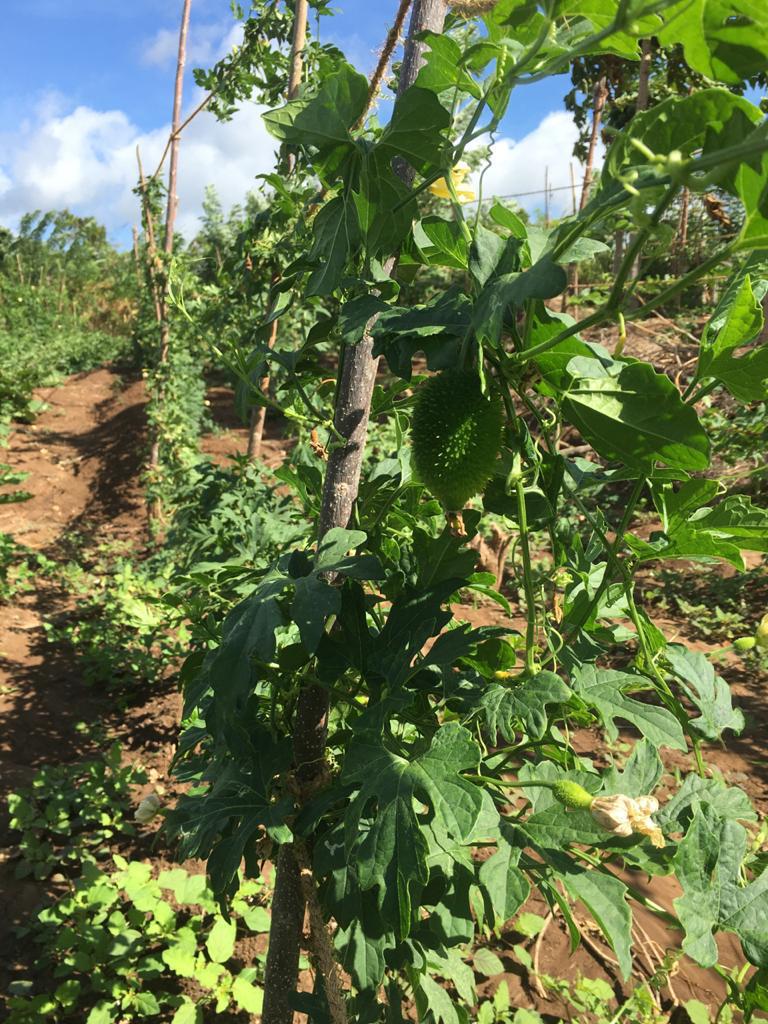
<point x="71" y="814"/>
<point x="120" y="630"/>
<point x="127" y="945"/>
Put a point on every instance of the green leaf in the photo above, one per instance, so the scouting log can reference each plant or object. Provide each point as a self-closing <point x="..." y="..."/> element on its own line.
<point x="188" y="1013"/>
<point x="323" y="121"/>
<point x="433" y="1000"/>
<point x="383" y="211"/>
<point x="630" y="412"/>
<point x="508" y="219"/>
<point x="180" y="955"/>
<point x="544" y="280"/>
<point x="336" y="238"/>
<point x="435" y="329"/>
<point x="247" y="995"/>
<point x="641" y="772"/>
<point x="361" y="955"/>
<point x="145" y="1004"/>
<point x="221" y="940"/>
<point x="725" y="40"/>
<point x="313" y="602"/>
<point x="755" y="994"/>
<point x="441" y="243"/>
<point x="707" y="691"/>
<point x="730" y="803"/>
<point x="442" y="68"/>
<point x="100" y="1014"/>
<point x="414" y="131"/>
<point x="335" y="545"/>
<point x="604" y="896"/>
<point x="604" y="690"/>
<point x="506" y="708"/>
<point x="505" y="884"/>
<point x="488" y="249"/>
<point x="487" y="963"/>
<point x="745" y="376"/>
<point x="736" y="519"/>
<point x="699" y="123"/>
<point x="248" y="630"/>
<point x="357" y="314"/>
<point x="257" y="919"/>
<point x="392" y="853"/>
<point x="708" y="866"/>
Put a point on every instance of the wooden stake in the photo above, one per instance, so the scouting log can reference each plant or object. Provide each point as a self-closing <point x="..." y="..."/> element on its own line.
<point x="172" y="206"/>
<point x="259" y="412"/>
<point x="600" y="96"/>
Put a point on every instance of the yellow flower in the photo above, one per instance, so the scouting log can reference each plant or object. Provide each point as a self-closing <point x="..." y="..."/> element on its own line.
<point x="624" y="815"/>
<point x="464" y="193"/>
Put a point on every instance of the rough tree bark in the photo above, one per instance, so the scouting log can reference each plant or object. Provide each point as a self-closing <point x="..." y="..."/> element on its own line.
<point x="170" y="220"/>
<point x="298" y="42"/>
<point x="342" y="479"/>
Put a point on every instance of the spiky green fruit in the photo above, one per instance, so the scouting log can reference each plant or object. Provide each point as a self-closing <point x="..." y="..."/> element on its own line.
<point x="456" y="437"/>
<point x="572" y="794"/>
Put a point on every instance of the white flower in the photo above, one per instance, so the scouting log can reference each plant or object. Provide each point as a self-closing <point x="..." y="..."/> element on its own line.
<point x="624" y="815"/>
<point x="148" y="809"/>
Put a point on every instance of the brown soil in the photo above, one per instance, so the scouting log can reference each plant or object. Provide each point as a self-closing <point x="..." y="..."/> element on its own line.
<point x="84" y="456"/>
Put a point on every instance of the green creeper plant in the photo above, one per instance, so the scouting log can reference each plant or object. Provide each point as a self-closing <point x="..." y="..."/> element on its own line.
<point x="341" y="711"/>
<point x="124" y="945"/>
<point x="71" y="814"/>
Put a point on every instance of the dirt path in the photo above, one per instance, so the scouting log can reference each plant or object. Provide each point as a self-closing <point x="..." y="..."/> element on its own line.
<point x="83" y="456"/>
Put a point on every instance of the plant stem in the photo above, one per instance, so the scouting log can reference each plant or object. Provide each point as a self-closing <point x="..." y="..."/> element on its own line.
<point x="612" y="551"/>
<point x="530" y="601"/>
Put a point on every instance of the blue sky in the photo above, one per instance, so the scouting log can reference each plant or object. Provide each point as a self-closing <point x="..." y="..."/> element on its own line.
<point x="82" y="81"/>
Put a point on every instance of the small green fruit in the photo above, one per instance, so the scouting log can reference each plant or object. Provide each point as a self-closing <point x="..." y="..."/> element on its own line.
<point x="572" y="794"/>
<point x="456" y="437"/>
<point x="744" y="643"/>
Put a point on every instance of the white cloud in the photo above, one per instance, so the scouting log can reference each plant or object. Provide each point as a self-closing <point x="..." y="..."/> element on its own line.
<point x="206" y="44"/>
<point x="85" y="159"/>
<point x="520" y="166"/>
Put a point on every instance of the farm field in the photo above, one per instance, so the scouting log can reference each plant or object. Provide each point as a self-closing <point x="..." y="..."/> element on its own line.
<point x="383" y="579"/>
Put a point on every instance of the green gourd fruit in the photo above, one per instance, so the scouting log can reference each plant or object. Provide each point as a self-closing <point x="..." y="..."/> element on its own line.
<point x="456" y="436"/>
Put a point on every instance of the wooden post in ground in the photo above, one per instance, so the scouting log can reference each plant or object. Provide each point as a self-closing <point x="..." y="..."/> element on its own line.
<point x="298" y="42"/>
<point x="172" y="205"/>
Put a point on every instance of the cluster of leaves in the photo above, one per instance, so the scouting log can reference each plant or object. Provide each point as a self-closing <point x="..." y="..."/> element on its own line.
<point x="126" y="945"/>
<point x="716" y="608"/>
<point x="120" y="629"/>
<point x="72" y="813"/>
<point x="67" y="301"/>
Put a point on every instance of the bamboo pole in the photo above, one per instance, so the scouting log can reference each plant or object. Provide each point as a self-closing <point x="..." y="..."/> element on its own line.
<point x="600" y="96"/>
<point x="172" y="206"/>
<point x="299" y="40"/>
